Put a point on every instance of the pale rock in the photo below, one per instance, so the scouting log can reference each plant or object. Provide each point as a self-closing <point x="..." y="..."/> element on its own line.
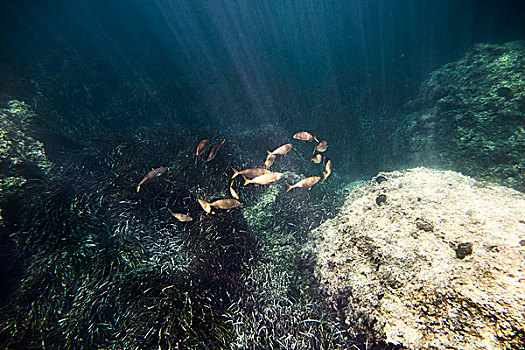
<point x="404" y="283"/>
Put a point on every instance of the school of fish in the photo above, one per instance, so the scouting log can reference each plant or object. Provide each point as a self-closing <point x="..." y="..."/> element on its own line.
<point x="256" y="176"/>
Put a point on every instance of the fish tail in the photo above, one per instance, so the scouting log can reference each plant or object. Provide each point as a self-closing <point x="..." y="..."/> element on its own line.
<point x="269" y="153"/>
<point x="325" y="176"/>
<point x="315" y="149"/>
<point x="138" y="188"/>
<point x="289" y="187"/>
<point x="235" y="173"/>
<point x="315" y="137"/>
<point x="223" y="141"/>
<point x="246" y="181"/>
<point x="196" y="160"/>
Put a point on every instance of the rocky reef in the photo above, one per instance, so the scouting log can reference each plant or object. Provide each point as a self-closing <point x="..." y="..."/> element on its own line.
<point x="428" y="259"/>
<point x="470" y="116"/>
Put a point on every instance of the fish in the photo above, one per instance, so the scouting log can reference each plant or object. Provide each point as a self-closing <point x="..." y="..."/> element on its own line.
<point x="321" y="146"/>
<point x="151" y="175"/>
<point x="265" y="179"/>
<point x="305" y="136"/>
<point x="180" y="217"/>
<point x="205" y="206"/>
<point x="228" y="203"/>
<point x="316" y="159"/>
<point x="214" y="150"/>
<point x="232" y="191"/>
<point x="200" y="148"/>
<point x="250" y="173"/>
<point x="269" y="161"/>
<point x="328" y="168"/>
<point x="282" y="150"/>
<point x="305" y="183"/>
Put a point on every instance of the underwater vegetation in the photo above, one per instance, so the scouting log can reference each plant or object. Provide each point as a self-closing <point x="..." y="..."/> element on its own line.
<point x="107" y="267"/>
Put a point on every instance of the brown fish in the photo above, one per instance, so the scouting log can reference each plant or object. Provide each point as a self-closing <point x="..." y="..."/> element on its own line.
<point x="151" y="175"/>
<point x="328" y="168"/>
<point x="200" y="148"/>
<point x="228" y="203"/>
<point x="181" y="217"/>
<point x="305" y="183"/>
<point x="321" y="146"/>
<point x="232" y="191"/>
<point x="280" y="151"/>
<point x="205" y="205"/>
<point x="269" y="161"/>
<point x="265" y="179"/>
<point x="214" y="150"/>
<point x="316" y="159"/>
<point x="250" y="173"/>
<point x="305" y="136"/>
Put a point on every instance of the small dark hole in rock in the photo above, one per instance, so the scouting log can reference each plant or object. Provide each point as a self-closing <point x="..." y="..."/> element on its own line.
<point x="522" y="242"/>
<point x="493" y="248"/>
<point x="424" y="225"/>
<point x="381" y="199"/>
<point x="380" y="179"/>
<point x="463" y="250"/>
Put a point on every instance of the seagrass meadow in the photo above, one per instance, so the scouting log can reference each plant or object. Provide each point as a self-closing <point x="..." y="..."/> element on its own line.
<point x="107" y="267"/>
<point x="228" y="174"/>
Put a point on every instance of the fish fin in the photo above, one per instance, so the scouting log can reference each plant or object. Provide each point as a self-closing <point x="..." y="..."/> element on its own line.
<point x="138" y="188"/>
<point x="325" y="176"/>
<point x="269" y="153"/>
<point x="315" y="137"/>
<point x="235" y="173"/>
<point x="223" y="141"/>
<point x="246" y="181"/>
<point x="196" y="160"/>
<point x="289" y="187"/>
<point x="315" y="149"/>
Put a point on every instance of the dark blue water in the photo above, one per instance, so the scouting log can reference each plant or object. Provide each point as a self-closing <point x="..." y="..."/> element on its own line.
<point x="122" y="87"/>
<point x="251" y="62"/>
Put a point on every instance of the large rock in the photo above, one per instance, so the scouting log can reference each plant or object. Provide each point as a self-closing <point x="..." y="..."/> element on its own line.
<point x="438" y="264"/>
<point x="470" y="116"/>
<point x="21" y="156"/>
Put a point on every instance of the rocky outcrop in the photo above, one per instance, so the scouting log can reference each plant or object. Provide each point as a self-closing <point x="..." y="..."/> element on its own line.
<point x="437" y="263"/>
<point x="21" y="156"/>
<point x="470" y="116"/>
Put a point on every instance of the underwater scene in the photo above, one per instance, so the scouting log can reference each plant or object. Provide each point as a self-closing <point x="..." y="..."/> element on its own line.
<point x="262" y="174"/>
